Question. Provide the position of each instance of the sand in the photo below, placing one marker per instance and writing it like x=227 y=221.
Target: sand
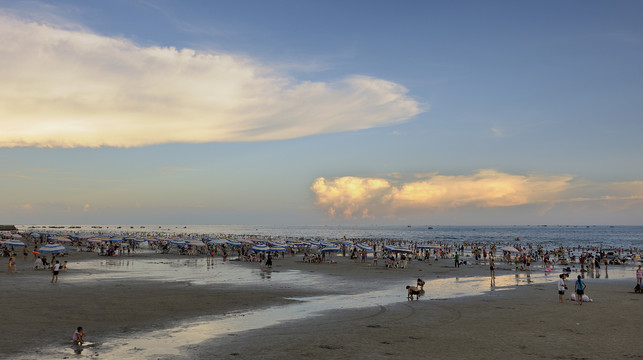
x=518 y=322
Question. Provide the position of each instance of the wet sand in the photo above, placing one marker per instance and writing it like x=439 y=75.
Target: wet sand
x=115 y=304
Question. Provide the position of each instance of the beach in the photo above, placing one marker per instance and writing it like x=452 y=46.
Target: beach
x=129 y=312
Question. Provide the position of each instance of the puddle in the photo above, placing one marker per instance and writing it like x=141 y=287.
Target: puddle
x=194 y=271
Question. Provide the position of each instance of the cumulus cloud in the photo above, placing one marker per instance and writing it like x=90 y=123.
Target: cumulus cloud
x=68 y=87
x=356 y=197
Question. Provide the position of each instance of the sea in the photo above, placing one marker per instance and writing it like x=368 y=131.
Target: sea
x=548 y=236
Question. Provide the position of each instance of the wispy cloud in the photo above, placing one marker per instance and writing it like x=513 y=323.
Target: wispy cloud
x=64 y=86
x=352 y=197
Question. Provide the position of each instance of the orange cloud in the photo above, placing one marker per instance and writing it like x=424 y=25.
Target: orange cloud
x=383 y=197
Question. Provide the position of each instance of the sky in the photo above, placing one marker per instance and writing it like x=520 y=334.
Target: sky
x=321 y=112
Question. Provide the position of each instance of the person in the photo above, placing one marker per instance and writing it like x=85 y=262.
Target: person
x=492 y=268
x=561 y=287
x=457 y=260
x=79 y=336
x=55 y=268
x=38 y=263
x=580 y=290
x=639 y=276
x=413 y=290
x=12 y=263
x=420 y=284
x=269 y=261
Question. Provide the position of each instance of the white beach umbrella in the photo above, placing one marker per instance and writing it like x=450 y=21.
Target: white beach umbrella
x=510 y=249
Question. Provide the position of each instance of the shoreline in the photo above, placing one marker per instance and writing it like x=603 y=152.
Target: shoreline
x=44 y=315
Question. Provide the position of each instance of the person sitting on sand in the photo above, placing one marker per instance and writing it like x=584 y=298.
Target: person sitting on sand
x=413 y=290
x=79 y=336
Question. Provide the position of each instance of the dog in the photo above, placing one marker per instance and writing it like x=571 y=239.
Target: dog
x=412 y=290
x=637 y=289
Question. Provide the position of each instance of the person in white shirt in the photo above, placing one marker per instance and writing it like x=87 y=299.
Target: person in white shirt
x=55 y=269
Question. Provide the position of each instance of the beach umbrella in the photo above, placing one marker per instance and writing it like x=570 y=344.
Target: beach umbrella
x=260 y=248
x=61 y=239
x=233 y=242
x=429 y=246
x=279 y=249
x=331 y=249
x=510 y=249
x=218 y=242
x=397 y=249
x=14 y=242
x=178 y=242
x=277 y=243
x=363 y=246
x=52 y=249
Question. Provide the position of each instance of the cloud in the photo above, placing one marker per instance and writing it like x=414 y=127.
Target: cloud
x=64 y=86
x=356 y=197
x=497 y=132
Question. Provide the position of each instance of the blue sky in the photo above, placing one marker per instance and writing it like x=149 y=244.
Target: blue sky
x=297 y=112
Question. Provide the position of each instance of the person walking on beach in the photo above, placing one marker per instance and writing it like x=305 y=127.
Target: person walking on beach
x=639 y=276
x=457 y=260
x=561 y=287
x=580 y=290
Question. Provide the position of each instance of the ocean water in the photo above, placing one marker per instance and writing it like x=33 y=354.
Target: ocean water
x=551 y=236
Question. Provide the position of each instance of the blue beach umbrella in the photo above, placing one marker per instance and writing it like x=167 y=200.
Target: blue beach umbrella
x=218 y=242
x=260 y=248
x=429 y=246
x=397 y=249
x=233 y=242
x=362 y=246
x=14 y=242
x=52 y=249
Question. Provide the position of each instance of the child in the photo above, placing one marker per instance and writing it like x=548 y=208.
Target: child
x=79 y=336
